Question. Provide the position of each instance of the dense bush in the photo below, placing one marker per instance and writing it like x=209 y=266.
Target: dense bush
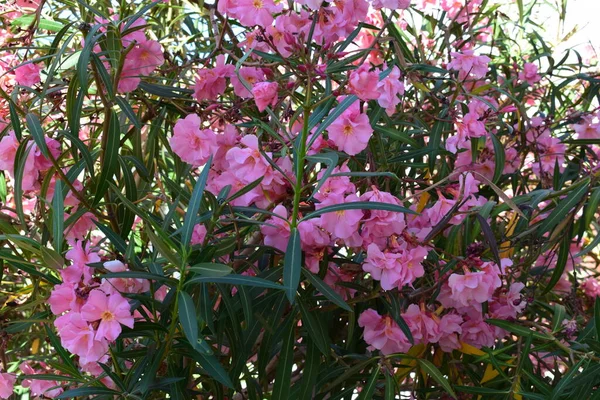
x=296 y=200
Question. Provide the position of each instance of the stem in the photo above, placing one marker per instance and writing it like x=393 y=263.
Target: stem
x=301 y=154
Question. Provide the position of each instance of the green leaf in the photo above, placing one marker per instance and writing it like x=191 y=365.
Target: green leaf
x=212 y=366
x=211 y=269
x=564 y=253
x=35 y=128
x=331 y=160
x=326 y=290
x=564 y=206
x=435 y=373
x=591 y=208
x=369 y=389
x=310 y=372
x=24 y=21
x=396 y=135
x=58 y=220
x=357 y=205
x=283 y=375
x=488 y=234
x=188 y=317
x=85 y=392
x=236 y=280
x=315 y=328
x=565 y=380
x=292 y=266
x=499 y=158
x=128 y=111
x=189 y=221
x=110 y=161
x=518 y=329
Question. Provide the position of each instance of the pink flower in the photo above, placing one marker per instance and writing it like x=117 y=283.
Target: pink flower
x=81 y=227
x=312 y=236
x=78 y=337
x=80 y=256
x=251 y=75
x=247 y=164
x=530 y=74
x=450 y=327
x=39 y=387
x=391 y=4
x=147 y=56
x=351 y=131
x=28 y=74
x=111 y=311
x=277 y=230
x=507 y=304
x=210 y=82
x=7 y=383
x=588 y=128
x=381 y=224
x=265 y=94
x=473 y=288
x=591 y=287
x=389 y=88
x=383 y=266
x=198 y=234
x=468 y=63
x=64 y=298
x=342 y=224
x=256 y=12
x=122 y=285
x=364 y=83
x=382 y=333
x=477 y=333
x=8 y=151
x=191 y=143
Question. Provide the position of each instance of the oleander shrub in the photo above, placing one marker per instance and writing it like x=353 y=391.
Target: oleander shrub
x=259 y=199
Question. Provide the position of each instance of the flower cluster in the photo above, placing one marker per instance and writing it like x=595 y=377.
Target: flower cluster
x=234 y=201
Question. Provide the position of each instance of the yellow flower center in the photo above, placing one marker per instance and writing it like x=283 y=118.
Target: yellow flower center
x=107 y=316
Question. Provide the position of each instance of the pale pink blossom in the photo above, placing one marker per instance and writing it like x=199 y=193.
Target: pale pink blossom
x=382 y=333
x=111 y=311
x=383 y=266
x=80 y=256
x=7 y=384
x=389 y=89
x=28 y=74
x=191 y=143
x=591 y=287
x=342 y=224
x=530 y=74
x=276 y=231
x=265 y=94
x=391 y=4
x=364 y=83
x=211 y=82
x=78 y=337
x=467 y=63
x=351 y=131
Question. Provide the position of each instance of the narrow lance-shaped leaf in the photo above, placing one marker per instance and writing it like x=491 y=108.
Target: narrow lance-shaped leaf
x=110 y=157
x=187 y=317
x=194 y=206
x=368 y=390
x=435 y=373
x=292 y=266
x=58 y=220
x=284 y=366
x=564 y=206
x=358 y=205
